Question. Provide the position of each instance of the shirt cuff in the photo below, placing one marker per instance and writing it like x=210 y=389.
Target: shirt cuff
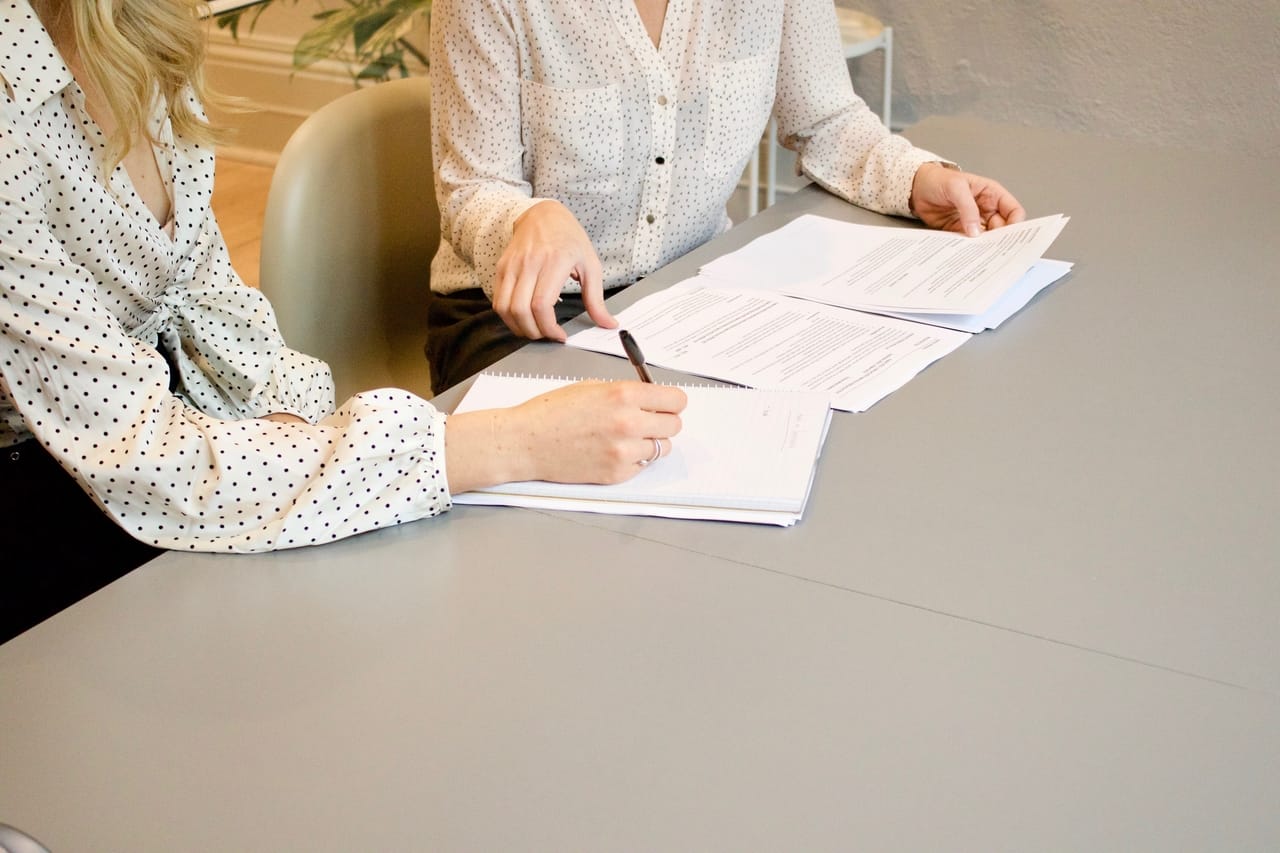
x=904 y=174
x=486 y=270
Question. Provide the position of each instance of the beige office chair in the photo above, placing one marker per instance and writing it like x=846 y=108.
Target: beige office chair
x=350 y=229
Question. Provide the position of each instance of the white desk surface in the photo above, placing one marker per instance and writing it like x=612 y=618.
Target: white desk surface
x=1032 y=605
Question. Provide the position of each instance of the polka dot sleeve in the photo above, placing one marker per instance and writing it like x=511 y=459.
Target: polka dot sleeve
x=644 y=143
x=842 y=145
x=475 y=92
x=91 y=288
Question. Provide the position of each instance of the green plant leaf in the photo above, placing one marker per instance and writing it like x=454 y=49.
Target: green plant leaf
x=365 y=29
x=326 y=38
x=231 y=20
x=373 y=33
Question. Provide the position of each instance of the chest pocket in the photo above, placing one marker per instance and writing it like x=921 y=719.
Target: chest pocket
x=572 y=138
x=740 y=98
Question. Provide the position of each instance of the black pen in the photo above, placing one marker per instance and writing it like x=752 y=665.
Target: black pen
x=634 y=355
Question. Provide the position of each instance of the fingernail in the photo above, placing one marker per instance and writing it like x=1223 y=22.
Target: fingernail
x=972 y=230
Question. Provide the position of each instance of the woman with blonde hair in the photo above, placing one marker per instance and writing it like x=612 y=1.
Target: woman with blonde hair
x=147 y=400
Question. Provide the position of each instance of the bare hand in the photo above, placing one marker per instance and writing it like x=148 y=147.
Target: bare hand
x=284 y=418
x=950 y=200
x=588 y=432
x=548 y=246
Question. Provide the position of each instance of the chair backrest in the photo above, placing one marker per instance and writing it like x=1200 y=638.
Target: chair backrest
x=350 y=229
x=14 y=840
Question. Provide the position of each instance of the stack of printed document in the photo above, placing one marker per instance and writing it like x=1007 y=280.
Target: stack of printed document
x=741 y=455
x=851 y=311
x=965 y=283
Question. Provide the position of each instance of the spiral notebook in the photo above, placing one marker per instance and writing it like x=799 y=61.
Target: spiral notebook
x=743 y=454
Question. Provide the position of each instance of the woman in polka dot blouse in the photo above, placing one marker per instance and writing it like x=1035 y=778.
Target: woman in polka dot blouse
x=146 y=398
x=580 y=146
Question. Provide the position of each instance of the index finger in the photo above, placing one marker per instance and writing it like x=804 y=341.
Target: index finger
x=960 y=193
x=1000 y=205
x=1010 y=209
x=660 y=398
x=593 y=293
x=546 y=294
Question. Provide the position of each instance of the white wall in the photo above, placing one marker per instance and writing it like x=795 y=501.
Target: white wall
x=1173 y=72
x=258 y=66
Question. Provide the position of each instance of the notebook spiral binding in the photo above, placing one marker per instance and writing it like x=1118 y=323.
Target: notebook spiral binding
x=551 y=377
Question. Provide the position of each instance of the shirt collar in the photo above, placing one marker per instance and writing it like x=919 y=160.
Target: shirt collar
x=29 y=62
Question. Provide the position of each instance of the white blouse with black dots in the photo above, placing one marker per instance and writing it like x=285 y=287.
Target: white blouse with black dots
x=536 y=99
x=91 y=287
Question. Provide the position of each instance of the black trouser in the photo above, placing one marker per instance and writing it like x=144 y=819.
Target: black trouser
x=58 y=546
x=465 y=335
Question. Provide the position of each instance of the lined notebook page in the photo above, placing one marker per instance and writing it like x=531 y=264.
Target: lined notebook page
x=742 y=455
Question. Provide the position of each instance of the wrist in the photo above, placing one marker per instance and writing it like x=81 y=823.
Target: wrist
x=285 y=418
x=478 y=452
x=922 y=171
x=541 y=206
x=511 y=451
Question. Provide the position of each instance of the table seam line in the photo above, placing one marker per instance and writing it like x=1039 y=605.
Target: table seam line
x=938 y=612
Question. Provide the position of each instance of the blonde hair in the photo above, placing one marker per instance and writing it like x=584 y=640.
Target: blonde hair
x=138 y=50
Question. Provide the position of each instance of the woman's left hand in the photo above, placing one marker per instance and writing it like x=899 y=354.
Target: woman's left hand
x=951 y=200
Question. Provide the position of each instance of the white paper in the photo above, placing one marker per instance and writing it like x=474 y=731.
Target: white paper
x=880 y=268
x=1042 y=274
x=741 y=455
x=603 y=507
x=765 y=340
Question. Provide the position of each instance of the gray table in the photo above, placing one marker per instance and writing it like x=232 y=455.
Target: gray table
x=1032 y=606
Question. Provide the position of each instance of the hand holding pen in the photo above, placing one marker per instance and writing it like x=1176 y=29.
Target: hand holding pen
x=636 y=357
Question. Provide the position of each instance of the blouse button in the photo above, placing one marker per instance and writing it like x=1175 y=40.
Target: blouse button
x=662 y=100
x=650 y=218
x=659 y=160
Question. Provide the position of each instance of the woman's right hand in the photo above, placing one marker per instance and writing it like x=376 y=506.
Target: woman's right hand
x=548 y=247
x=588 y=432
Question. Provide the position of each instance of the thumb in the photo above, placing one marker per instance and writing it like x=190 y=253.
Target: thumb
x=966 y=207
x=593 y=301
x=593 y=296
